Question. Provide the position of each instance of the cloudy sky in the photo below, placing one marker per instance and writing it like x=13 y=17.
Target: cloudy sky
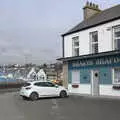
x=30 y=29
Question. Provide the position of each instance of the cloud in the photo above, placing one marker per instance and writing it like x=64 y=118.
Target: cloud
x=32 y=29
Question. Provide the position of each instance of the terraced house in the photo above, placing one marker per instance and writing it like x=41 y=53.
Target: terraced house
x=91 y=52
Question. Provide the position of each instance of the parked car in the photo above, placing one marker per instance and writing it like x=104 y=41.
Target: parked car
x=37 y=89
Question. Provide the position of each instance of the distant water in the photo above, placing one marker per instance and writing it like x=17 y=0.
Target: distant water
x=7 y=79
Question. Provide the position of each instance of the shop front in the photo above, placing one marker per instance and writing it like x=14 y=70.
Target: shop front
x=95 y=74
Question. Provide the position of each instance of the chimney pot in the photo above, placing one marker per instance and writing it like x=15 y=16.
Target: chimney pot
x=90 y=4
x=90 y=9
x=87 y=4
x=93 y=5
x=97 y=6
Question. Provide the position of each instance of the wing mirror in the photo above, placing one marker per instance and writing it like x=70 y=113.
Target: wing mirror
x=56 y=86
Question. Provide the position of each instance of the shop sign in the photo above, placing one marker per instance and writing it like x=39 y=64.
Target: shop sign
x=97 y=61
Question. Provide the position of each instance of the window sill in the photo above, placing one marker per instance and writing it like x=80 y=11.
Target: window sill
x=116 y=87
x=75 y=86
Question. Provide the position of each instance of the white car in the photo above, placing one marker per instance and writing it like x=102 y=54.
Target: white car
x=37 y=89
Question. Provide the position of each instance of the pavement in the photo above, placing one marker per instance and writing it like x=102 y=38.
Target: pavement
x=98 y=96
x=13 y=107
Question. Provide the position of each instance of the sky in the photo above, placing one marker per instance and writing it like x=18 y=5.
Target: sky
x=30 y=30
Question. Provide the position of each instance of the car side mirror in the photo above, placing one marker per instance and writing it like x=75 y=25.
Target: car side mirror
x=56 y=86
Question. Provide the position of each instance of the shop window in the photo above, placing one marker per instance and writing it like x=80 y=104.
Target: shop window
x=84 y=77
x=116 y=37
x=105 y=76
x=116 y=76
x=75 y=46
x=75 y=76
x=94 y=42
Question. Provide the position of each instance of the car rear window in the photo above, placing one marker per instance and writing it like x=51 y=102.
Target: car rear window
x=26 y=84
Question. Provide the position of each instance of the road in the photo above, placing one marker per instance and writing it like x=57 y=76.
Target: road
x=12 y=107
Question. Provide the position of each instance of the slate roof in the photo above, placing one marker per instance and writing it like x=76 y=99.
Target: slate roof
x=104 y=16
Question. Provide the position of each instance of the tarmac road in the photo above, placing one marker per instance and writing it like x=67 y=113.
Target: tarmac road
x=12 y=107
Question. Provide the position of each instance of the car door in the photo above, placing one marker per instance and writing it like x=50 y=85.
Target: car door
x=39 y=87
x=51 y=89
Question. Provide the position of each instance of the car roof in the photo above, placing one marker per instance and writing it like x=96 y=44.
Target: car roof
x=32 y=82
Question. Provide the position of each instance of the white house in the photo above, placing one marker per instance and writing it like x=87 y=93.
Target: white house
x=41 y=75
x=32 y=74
x=91 y=53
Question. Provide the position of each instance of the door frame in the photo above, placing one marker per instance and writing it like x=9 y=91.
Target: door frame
x=97 y=91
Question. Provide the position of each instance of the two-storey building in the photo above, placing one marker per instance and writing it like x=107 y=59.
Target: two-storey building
x=91 y=53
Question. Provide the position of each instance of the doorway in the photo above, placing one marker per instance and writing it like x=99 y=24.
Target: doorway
x=95 y=82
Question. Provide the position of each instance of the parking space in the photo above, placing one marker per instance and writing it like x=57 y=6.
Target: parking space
x=13 y=107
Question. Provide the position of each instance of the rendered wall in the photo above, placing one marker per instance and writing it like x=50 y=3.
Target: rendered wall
x=105 y=80
x=105 y=40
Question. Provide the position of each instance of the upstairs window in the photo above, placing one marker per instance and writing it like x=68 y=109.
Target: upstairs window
x=116 y=38
x=75 y=46
x=94 y=42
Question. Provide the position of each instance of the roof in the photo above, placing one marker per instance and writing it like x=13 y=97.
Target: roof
x=90 y=56
x=104 y=16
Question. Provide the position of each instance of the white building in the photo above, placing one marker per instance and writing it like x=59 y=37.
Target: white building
x=32 y=74
x=91 y=53
x=41 y=76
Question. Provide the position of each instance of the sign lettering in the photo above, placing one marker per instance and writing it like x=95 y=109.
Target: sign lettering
x=97 y=61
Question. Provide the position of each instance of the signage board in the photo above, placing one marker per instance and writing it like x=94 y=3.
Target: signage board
x=106 y=60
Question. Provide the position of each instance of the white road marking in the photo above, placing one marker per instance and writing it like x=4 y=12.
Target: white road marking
x=55 y=105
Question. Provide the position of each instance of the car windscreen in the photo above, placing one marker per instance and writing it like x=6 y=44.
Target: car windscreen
x=26 y=84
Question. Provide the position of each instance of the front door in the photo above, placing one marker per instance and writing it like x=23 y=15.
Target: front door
x=95 y=83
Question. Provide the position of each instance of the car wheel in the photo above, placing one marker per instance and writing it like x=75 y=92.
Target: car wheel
x=24 y=98
x=34 y=96
x=63 y=94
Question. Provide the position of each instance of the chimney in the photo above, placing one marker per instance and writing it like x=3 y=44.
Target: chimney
x=90 y=10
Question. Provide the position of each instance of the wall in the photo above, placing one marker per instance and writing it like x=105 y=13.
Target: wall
x=65 y=75
x=105 y=80
x=107 y=90
x=86 y=89
x=90 y=11
x=67 y=46
x=104 y=39
x=83 y=89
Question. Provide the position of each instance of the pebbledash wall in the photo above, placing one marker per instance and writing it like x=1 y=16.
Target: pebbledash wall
x=105 y=65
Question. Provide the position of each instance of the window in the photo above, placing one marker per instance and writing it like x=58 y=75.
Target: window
x=116 y=79
x=50 y=84
x=40 y=84
x=75 y=76
x=75 y=46
x=94 y=42
x=116 y=37
x=44 y=84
